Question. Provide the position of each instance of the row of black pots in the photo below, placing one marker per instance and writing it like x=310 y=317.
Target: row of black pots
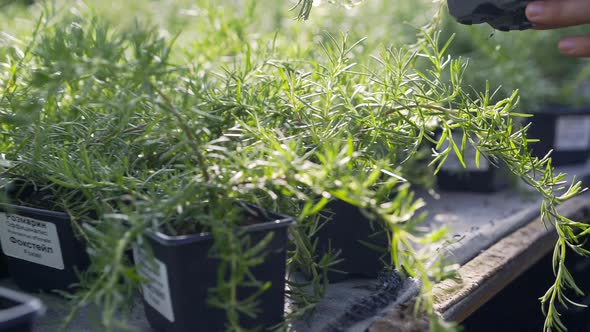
x=563 y=130
x=182 y=270
x=42 y=253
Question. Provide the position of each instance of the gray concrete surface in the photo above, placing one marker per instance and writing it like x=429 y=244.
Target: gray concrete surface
x=475 y=221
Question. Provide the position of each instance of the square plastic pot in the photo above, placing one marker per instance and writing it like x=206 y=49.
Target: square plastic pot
x=564 y=130
x=41 y=251
x=18 y=311
x=182 y=274
x=356 y=239
x=3 y=267
x=453 y=176
x=487 y=181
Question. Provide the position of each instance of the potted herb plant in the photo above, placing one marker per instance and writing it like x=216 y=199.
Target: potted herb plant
x=206 y=258
x=116 y=144
x=297 y=133
x=72 y=155
x=185 y=268
x=516 y=151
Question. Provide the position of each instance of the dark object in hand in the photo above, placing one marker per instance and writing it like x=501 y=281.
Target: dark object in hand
x=503 y=15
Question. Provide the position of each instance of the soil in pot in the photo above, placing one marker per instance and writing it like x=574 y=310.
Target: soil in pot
x=564 y=130
x=356 y=239
x=18 y=311
x=183 y=272
x=41 y=249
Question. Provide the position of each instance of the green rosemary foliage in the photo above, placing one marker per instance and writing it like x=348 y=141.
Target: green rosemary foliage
x=305 y=6
x=125 y=140
x=497 y=138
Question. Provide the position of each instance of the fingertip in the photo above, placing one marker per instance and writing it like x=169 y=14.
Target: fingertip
x=535 y=11
x=578 y=47
x=567 y=47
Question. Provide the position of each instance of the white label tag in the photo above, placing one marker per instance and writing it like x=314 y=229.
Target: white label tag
x=31 y=240
x=572 y=133
x=156 y=291
x=453 y=164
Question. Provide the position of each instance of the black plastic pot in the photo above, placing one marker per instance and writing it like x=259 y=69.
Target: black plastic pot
x=3 y=267
x=564 y=130
x=490 y=180
x=40 y=248
x=18 y=311
x=176 y=299
x=485 y=178
x=350 y=233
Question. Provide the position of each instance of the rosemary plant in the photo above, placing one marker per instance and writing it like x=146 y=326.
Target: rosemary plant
x=502 y=142
x=126 y=136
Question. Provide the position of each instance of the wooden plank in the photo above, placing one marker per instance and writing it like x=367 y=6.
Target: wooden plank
x=488 y=273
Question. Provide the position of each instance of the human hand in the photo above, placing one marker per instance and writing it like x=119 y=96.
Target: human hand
x=554 y=14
